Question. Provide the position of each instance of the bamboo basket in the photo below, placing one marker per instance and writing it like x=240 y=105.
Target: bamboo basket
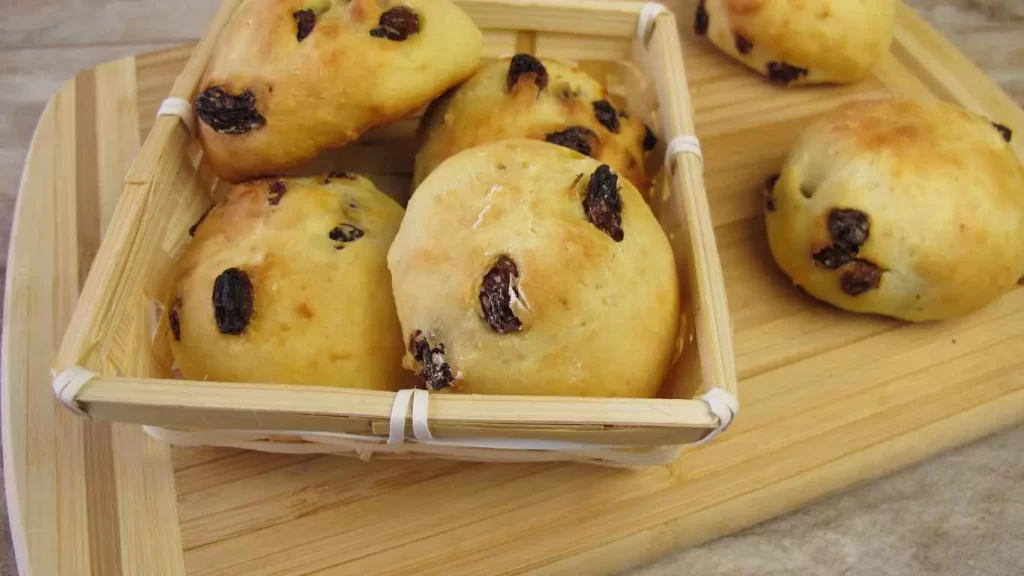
x=115 y=364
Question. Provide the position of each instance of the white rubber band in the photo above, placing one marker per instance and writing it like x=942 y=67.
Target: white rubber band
x=420 y=428
x=396 y=429
x=67 y=385
x=182 y=109
x=679 y=145
x=725 y=406
x=645 y=23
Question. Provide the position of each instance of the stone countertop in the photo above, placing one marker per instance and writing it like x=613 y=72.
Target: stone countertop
x=959 y=513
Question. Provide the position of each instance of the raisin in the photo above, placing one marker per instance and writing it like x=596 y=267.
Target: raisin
x=433 y=365
x=526 y=64
x=605 y=114
x=277 y=190
x=650 y=140
x=344 y=233
x=1004 y=130
x=192 y=229
x=743 y=44
x=397 y=24
x=173 y=320
x=304 y=21
x=232 y=301
x=783 y=74
x=227 y=113
x=496 y=292
x=849 y=230
x=848 y=227
x=603 y=205
x=338 y=174
x=769 y=189
x=700 y=24
x=861 y=277
x=1021 y=281
x=575 y=138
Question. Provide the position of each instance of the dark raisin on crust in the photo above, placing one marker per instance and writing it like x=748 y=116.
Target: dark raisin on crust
x=397 y=24
x=526 y=64
x=849 y=230
x=783 y=74
x=228 y=113
x=700 y=23
x=860 y=277
x=602 y=204
x=304 y=21
x=192 y=229
x=650 y=140
x=769 y=189
x=576 y=138
x=338 y=174
x=277 y=190
x=743 y=44
x=345 y=233
x=605 y=114
x=433 y=365
x=1021 y=281
x=232 y=301
x=496 y=292
x=174 y=321
x=1004 y=130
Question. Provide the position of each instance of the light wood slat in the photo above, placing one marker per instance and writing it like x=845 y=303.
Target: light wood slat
x=142 y=471
x=43 y=445
x=588 y=17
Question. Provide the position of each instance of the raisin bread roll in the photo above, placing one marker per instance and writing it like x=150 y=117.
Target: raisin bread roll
x=523 y=267
x=523 y=97
x=910 y=209
x=286 y=282
x=806 y=42
x=292 y=78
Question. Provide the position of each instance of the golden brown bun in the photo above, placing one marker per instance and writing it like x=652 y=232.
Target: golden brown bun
x=569 y=310
x=546 y=98
x=805 y=42
x=347 y=74
x=304 y=291
x=909 y=209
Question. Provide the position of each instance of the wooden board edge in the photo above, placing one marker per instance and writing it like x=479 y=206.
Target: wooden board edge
x=950 y=74
x=795 y=492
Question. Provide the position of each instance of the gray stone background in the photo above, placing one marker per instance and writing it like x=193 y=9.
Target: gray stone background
x=959 y=514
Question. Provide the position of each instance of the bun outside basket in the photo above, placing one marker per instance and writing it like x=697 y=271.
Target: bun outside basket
x=114 y=362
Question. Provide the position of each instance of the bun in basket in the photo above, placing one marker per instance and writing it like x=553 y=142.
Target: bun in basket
x=805 y=42
x=910 y=209
x=286 y=282
x=292 y=78
x=523 y=267
x=540 y=99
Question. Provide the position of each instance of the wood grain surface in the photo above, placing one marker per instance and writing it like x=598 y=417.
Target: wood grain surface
x=252 y=514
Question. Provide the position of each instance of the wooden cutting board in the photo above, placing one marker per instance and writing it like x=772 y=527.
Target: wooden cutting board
x=828 y=398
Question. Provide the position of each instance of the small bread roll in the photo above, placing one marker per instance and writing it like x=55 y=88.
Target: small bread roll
x=290 y=79
x=286 y=282
x=805 y=42
x=523 y=267
x=540 y=99
x=910 y=209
